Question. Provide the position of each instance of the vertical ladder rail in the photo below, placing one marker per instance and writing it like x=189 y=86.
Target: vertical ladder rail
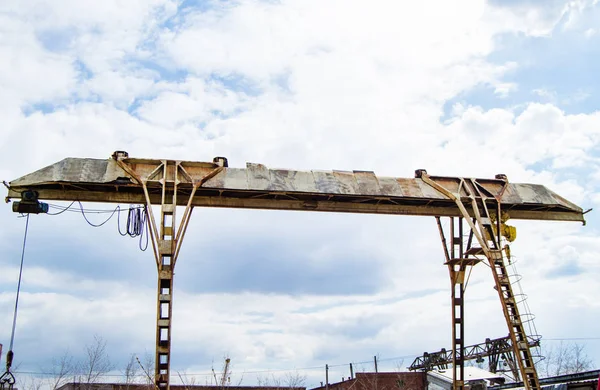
x=458 y=262
x=166 y=245
x=457 y=277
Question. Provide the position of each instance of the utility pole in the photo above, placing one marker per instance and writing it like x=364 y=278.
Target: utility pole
x=375 y=360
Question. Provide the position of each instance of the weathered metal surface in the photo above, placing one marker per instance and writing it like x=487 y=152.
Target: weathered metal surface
x=258 y=187
x=485 y=232
x=491 y=347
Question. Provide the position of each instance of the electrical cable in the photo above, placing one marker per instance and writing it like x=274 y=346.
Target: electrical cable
x=14 y=325
x=573 y=339
x=265 y=371
x=70 y=208
x=136 y=225
x=8 y=378
x=63 y=208
x=101 y=224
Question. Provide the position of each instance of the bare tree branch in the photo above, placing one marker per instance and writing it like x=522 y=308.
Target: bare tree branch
x=564 y=359
x=130 y=371
x=62 y=370
x=96 y=362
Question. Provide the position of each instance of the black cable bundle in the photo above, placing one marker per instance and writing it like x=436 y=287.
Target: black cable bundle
x=136 y=225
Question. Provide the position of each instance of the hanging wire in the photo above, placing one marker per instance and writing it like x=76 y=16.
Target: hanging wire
x=7 y=380
x=102 y=223
x=63 y=209
x=135 y=226
x=14 y=325
x=70 y=208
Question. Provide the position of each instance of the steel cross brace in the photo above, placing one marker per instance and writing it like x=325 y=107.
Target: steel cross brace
x=487 y=233
x=493 y=349
x=166 y=239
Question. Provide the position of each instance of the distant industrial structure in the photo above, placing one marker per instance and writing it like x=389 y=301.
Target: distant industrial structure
x=499 y=353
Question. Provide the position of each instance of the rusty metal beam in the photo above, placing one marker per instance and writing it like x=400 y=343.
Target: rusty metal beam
x=201 y=200
x=119 y=180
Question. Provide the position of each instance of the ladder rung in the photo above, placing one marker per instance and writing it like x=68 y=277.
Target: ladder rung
x=165 y=247
x=523 y=346
x=162 y=349
x=164 y=322
x=164 y=298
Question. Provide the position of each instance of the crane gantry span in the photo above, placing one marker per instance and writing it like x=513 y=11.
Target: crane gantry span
x=476 y=209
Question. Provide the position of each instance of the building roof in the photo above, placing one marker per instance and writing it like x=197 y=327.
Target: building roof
x=471 y=374
x=381 y=381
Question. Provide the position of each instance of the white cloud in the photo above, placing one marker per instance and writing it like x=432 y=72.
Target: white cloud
x=504 y=89
x=547 y=95
x=301 y=85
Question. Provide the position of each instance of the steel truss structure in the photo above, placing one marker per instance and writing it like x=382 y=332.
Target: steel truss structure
x=475 y=208
x=493 y=349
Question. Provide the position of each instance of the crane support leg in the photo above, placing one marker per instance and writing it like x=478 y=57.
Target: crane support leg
x=483 y=214
x=458 y=262
x=166 y=239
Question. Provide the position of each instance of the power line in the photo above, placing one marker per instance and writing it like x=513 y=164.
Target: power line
x=572 y=339
x=309 y=368
x=265 y=371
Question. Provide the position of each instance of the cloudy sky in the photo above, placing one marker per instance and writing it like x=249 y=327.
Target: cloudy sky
x=465 y=88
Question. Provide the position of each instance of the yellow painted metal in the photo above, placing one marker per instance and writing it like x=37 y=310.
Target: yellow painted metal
x=172 y=183
x=488 y=231
x=118 y=180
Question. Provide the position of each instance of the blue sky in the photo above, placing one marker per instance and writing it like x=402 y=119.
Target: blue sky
x=469 y=89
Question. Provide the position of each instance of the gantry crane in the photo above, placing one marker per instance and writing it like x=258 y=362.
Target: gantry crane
x=475 y=208
x=493 y=349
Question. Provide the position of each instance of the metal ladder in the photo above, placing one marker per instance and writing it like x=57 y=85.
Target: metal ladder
x=486 y=228
x=166 y=249
x=490 y=227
